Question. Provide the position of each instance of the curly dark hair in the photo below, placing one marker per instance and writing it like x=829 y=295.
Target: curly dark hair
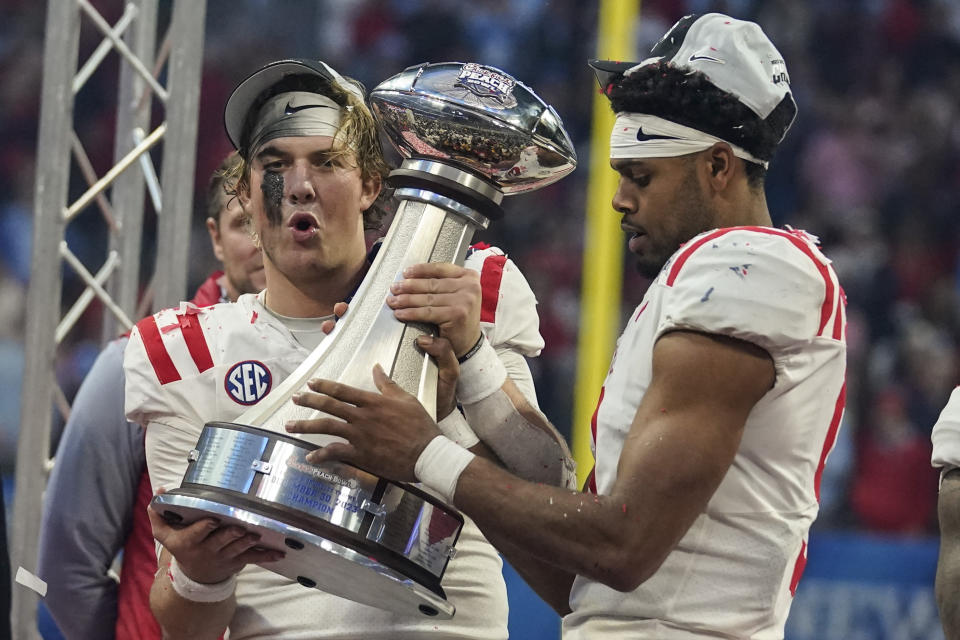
x=690 y=99
x=358 y=135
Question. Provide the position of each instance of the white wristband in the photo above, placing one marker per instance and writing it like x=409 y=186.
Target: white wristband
x=190 y=589
x=455 y=427
x=440 y=464
x=481 y=375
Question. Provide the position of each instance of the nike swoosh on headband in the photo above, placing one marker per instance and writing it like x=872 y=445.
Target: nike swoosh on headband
x=290 y=109
x=643 y=137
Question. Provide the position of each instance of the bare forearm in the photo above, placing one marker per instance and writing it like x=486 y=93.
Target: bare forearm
x=550 y=582
x=183 y=619
x=573 y=532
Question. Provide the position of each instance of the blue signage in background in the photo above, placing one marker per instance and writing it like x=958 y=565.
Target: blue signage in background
x=860 y=587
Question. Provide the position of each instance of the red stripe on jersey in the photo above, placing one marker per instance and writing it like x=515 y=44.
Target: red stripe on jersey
x=196 y=343
x=490 y=276
x=637 y=317
x=798 y=568
x=838 y=323
x=841 y=320
x=687 y=251
x=592 y=478
x=593 y=420
x=156 y=352
x=480 y=246
x=831 y=437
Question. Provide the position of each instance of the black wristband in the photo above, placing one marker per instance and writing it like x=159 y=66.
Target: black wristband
x=472 y=350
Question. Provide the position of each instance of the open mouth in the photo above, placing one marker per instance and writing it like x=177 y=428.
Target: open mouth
x=303 y=225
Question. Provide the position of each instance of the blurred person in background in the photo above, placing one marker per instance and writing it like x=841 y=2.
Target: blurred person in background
x=893 y=486
x=96 y=500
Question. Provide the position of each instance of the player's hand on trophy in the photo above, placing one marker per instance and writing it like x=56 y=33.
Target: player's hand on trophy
x=385 y=431
x=440 y=349
x=208 y=552
x=448 y=372
x=339 y=309
x=443 y=294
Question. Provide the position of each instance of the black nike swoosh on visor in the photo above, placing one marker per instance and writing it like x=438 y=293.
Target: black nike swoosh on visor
x=290 y=109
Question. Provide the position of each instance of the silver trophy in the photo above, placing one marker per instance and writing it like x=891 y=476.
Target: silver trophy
x=469 y=134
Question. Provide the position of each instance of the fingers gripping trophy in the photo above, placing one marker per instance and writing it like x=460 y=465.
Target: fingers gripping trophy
x=468 y=134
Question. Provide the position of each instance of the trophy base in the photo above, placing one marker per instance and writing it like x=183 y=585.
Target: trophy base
x=313 y=560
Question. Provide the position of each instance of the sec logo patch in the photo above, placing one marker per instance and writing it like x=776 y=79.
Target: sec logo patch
x=248 y=382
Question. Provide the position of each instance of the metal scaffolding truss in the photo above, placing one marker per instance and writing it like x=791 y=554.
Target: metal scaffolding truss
x=115 y=283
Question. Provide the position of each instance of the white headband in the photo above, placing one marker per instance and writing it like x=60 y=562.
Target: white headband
x=637 y=135
x=294 y=114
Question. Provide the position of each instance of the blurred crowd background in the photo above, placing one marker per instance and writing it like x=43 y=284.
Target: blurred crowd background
x=871 y=166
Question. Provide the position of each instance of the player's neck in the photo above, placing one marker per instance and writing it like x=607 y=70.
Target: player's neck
x=749 y=210
x=311 y=299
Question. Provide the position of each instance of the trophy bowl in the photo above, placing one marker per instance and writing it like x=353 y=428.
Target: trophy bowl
x=478 y=118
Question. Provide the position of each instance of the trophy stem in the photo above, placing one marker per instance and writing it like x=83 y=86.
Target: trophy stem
x=428 y=227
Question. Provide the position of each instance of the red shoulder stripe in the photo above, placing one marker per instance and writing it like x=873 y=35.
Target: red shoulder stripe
x=688 y=250
x=490 y=276
x=156 y=351
x=196 y=343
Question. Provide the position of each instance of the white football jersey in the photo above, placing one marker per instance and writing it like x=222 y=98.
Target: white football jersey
x=946 y=435
x=189 y=366
x=734 y=572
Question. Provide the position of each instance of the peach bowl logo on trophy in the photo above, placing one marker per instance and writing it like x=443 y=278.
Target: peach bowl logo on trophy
x=478 y=118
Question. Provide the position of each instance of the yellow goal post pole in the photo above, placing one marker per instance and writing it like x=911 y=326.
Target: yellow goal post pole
x=602 y=276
